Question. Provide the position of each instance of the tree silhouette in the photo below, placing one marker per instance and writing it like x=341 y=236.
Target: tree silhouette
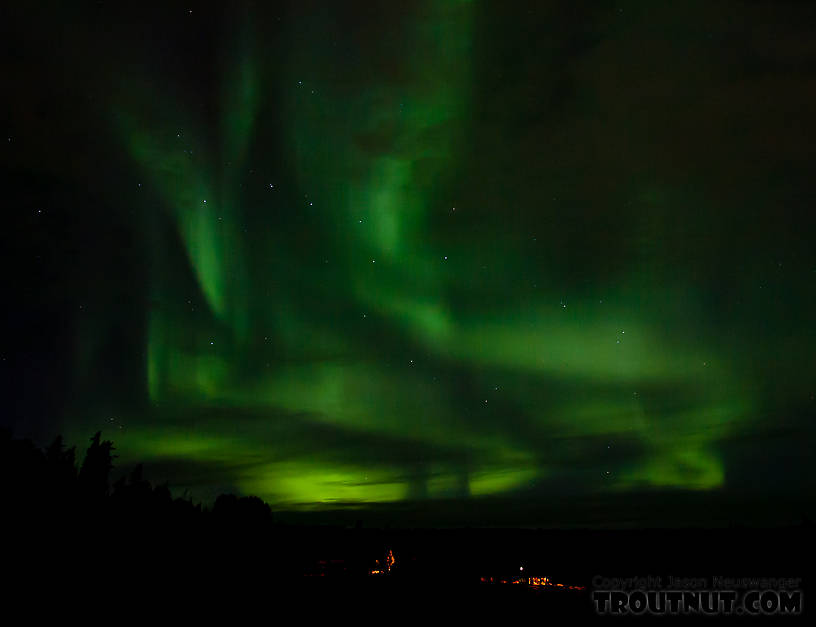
x=62 y=461
x=96 y=467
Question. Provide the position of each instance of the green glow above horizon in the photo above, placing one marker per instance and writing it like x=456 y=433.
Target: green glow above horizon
x=356 y=334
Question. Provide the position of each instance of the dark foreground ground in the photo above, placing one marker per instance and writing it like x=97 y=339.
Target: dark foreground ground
x=77 y=547
x=322 y=571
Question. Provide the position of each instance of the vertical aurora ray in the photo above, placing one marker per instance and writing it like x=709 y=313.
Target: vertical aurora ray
x=199 y=184
x=393 y=143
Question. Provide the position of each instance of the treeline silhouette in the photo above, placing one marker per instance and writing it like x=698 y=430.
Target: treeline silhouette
x=71 y=529
x=43 y=483
x=75 y=533
x=68 y=529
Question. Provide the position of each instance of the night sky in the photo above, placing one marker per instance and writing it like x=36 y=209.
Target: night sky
x=550 y=259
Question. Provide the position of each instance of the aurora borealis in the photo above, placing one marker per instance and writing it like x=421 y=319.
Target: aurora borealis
x=362 y=253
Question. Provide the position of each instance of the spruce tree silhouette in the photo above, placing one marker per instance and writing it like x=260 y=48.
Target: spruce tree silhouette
x=58 y=489
x=61 y=460
x=96 y=468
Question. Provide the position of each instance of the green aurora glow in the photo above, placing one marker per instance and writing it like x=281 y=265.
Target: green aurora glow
x=388 y=266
